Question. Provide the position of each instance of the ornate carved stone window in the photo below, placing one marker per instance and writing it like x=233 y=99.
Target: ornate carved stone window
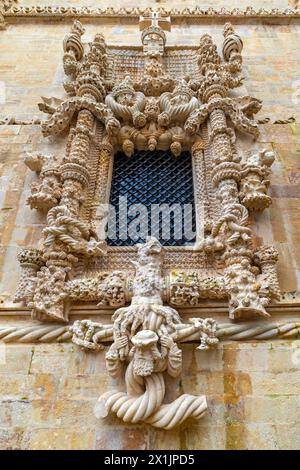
x=152 y=193
x=154 y=113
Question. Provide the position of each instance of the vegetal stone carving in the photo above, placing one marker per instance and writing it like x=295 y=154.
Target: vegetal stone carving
x=46 y=192
x=30 y=261
x=254 y=185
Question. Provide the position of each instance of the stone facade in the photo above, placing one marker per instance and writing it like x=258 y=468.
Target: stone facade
x=49 y=391
x=251 y=380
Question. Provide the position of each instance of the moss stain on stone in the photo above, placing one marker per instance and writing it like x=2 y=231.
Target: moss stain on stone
x=237 y=384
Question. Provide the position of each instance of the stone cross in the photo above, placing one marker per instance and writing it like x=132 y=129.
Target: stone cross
x=155 y=19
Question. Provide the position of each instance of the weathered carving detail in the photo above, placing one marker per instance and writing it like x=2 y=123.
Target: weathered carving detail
x=154 y=116
x=87 y=334
x=30 y=261
x=145 y=335
x=50 y=294
x=254 y=185
x=188 y=289
x=266 y=258
x=66 y=235
x=231 y=230
x=108 y=289
x=135 y=12
x=182 y=288
x=46 y=192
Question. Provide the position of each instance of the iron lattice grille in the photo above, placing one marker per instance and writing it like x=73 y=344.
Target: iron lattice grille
x=152 y=179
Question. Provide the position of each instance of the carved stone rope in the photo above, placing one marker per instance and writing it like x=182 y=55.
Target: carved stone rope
x=155 y=112
x=225 y=332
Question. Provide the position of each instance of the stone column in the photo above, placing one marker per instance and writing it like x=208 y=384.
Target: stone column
x=66 y=234
x=231 y=225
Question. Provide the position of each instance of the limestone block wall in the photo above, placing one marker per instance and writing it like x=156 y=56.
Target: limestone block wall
x=48 y=391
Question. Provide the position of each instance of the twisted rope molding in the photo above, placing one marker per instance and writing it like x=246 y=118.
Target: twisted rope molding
x=148 y=406
x=225 y=332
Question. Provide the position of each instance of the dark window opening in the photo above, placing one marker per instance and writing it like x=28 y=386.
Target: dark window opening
x=152 y=193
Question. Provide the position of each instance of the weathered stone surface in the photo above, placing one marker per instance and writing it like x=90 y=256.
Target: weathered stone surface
x=48 y=392
x=248 y=407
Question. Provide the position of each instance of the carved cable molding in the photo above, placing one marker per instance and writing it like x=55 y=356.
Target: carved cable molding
x=155 y=112
x=87 y=329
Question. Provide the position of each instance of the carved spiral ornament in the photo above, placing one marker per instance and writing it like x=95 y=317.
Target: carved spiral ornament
x=154 y=109
x=147 y=406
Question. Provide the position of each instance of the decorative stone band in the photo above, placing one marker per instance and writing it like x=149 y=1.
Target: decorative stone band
x=15 y=121
x=194 y=13
x=38 y=333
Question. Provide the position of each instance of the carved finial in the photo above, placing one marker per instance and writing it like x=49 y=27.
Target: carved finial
x=228 y=29
x=208 y=53
x=153 y=36
x=126 y=86
x=72 y=42
x=183 y=88
x=233 y=44
x=77 y=28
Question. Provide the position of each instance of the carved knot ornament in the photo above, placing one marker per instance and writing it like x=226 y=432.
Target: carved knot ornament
x=145 y=337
